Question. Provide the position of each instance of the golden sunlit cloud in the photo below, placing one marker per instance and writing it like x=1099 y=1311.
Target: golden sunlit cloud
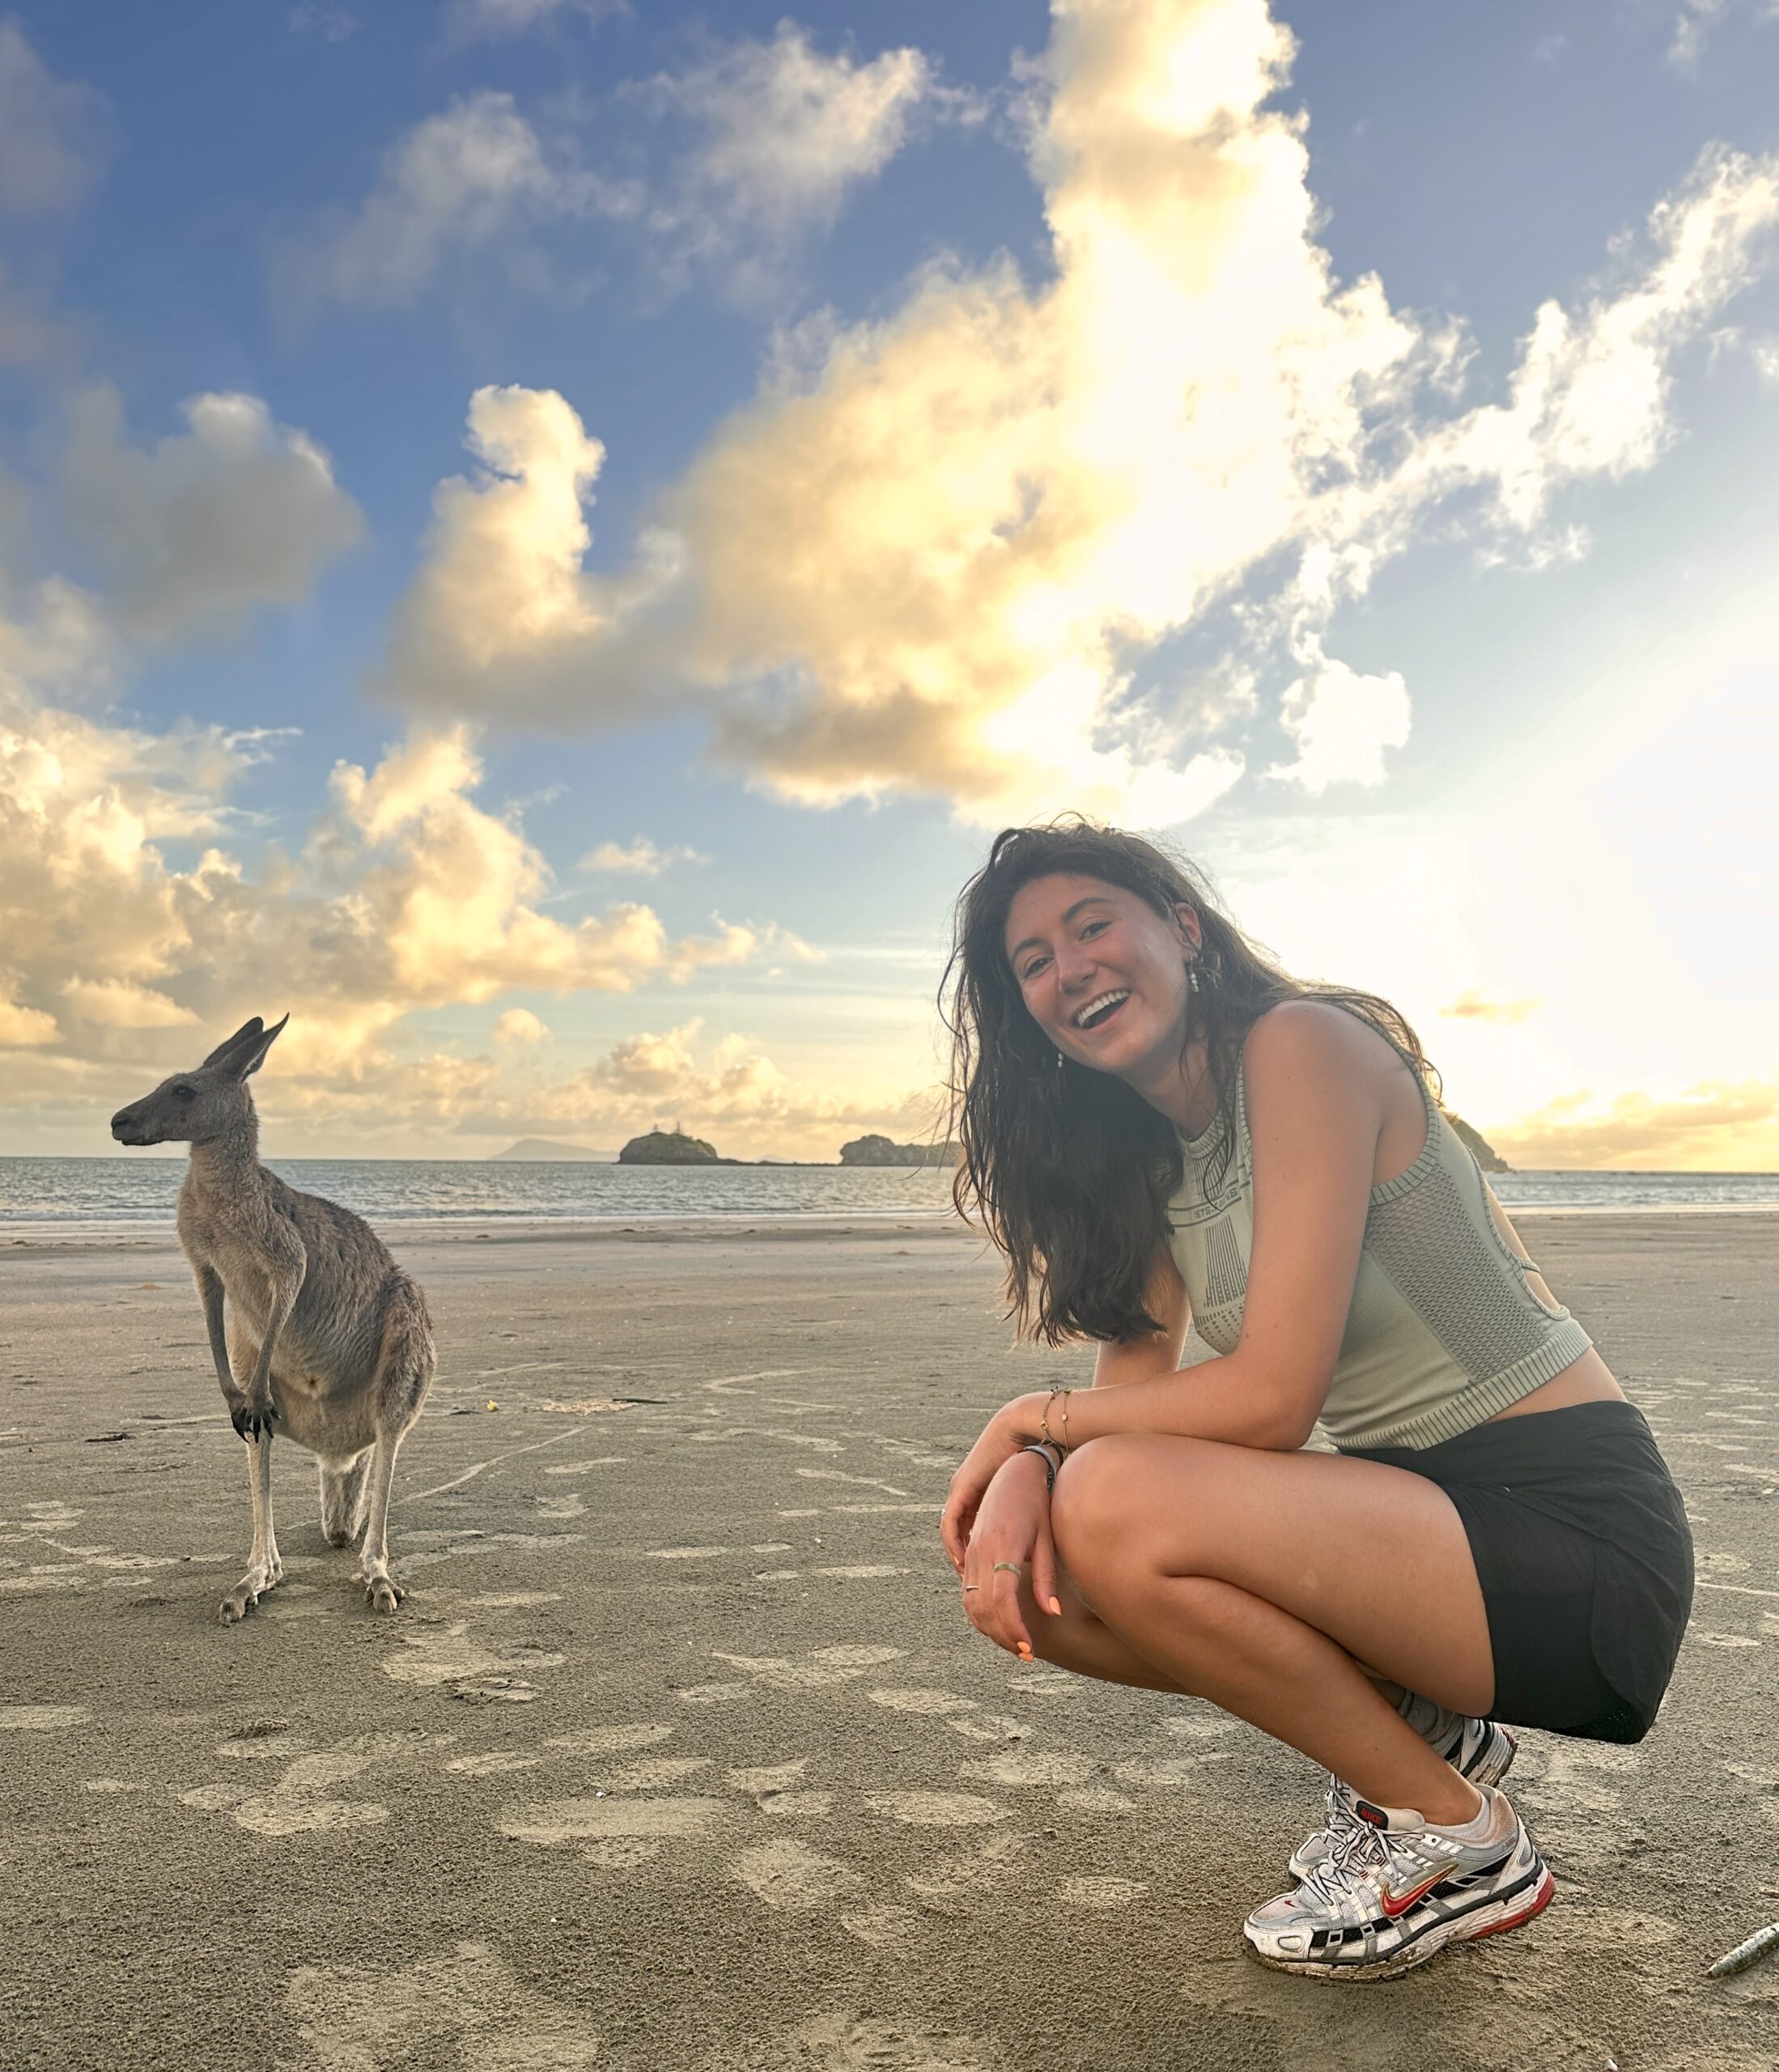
x=1474 y=1006
x=1717 y=1126
x=934 y=552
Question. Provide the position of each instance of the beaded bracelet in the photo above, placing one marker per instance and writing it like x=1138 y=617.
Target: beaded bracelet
x=1043 y=1452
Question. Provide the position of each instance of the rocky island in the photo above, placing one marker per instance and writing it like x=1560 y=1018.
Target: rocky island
x=671 y=1148
x=882 y=1151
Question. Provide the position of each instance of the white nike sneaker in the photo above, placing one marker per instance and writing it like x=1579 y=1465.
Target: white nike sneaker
x=1395 y=1891
x=1479 y=1750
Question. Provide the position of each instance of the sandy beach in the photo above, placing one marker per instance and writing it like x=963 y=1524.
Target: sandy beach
x=680 y=1755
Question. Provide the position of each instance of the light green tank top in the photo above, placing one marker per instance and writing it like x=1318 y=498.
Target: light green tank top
x=1444 y=1331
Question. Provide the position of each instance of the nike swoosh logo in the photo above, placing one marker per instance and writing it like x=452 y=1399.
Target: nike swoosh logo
x=1396 y=1903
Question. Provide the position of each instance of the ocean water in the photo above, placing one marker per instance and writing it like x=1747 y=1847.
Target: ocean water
x=47 y=1195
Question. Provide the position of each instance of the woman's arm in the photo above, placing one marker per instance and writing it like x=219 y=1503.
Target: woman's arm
x=1156 y=1352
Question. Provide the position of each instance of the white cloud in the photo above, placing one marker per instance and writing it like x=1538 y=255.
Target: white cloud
x=474 y=179
x=1717 y=1125
x=475 y=21
x=1342 y=723
x=408 y=894
x=54 y=133
x=1473 y=1005
x=641 y=858
x=332 y=24
x=778 y=133
x=520 y=1026
x=1697 y=19
x=234 y=512
x=933 y=552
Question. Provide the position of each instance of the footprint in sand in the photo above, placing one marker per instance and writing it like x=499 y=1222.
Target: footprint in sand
x=821 y=1669
x=43 y=1719
x=474 y=1671
x=863 y=2043
x=464 y=2010
x=298 y=1802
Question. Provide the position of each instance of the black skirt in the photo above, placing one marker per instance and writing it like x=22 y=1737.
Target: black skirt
x=1584 y=1558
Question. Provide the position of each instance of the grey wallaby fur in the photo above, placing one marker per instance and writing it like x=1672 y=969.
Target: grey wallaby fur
x=302 y=1300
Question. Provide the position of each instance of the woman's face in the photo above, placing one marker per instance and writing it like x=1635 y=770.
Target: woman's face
x=1102 y=973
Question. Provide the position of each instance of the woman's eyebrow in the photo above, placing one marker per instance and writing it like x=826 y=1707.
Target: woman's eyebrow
x=1036 y=942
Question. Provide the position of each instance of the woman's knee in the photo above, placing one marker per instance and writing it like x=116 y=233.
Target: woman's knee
x=1096 y=1509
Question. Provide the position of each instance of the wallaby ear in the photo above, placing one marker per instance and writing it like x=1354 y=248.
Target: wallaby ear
x=254 y=1055
x=248 y=1030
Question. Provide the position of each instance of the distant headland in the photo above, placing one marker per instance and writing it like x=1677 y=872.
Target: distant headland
x=881 y=1151
x=542 y=1149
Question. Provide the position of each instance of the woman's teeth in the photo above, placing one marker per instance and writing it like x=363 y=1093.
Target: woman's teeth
x=1099 y=1010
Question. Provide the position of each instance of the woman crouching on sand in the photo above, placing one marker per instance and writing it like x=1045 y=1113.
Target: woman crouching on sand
x=1159 y=1125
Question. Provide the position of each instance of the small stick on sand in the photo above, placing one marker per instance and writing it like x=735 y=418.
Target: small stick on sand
x=1747 y=1953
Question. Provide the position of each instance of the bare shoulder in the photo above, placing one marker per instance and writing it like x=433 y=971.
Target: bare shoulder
x=1314 y=1038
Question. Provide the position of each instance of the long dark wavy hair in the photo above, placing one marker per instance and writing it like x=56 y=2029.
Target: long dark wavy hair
x=1069 y=1170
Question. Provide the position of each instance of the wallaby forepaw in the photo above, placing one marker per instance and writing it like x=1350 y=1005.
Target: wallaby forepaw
x=383 y=1593
x=237 y=1604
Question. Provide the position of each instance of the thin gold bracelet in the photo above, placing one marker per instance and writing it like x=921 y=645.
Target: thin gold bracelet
x=1043 y=1419
x=1064 y=1442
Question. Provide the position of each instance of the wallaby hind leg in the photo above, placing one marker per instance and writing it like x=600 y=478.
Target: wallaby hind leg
x=264 y=1568
x=344 y=1490
x=404 y=1375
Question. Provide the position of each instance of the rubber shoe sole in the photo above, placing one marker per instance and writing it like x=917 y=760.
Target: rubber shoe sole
x=1497 y=1760
x=1523 y=1902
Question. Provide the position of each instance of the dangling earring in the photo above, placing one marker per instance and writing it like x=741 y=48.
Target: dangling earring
x=1059 y=1060
x=1192 y=976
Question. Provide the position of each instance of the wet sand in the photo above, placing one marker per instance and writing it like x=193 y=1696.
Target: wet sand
x=680 y=1755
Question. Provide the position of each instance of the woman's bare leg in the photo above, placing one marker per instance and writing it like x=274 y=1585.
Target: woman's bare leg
x=1263 y=1581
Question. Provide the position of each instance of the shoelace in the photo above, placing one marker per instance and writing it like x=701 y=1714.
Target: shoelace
x=1341 y=1815
x=1359 y=1848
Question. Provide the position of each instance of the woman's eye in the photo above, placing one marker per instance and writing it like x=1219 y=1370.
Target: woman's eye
x=1033 y=969
x=1093 y=928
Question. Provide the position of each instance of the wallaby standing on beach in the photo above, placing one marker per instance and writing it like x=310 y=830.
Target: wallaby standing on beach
x=332 y=1336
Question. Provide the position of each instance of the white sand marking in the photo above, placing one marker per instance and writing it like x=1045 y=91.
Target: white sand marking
x=775 y=1776
x=824 y=1667
x=296 y=1805
x=919 y=1700
x=1101 y=1893
x=853 y=2043
x=1205 y=1726
x=624 y=1852
x=1047 y=1683
x=771 y=1547
x=587 y=1467
x=874 y=1510
x=993 y=1726
x=956 y=1883
x=794 y=1878
x=858 y=1481
x=495 y=1763
x=465 y=2009
x=710 y=1694
x=1719 y=1564
x=1095 y=1799
x=1161 y=1771
x=1710 y=1640
x=450 y=1656
x=43 y=1719
x=814 y=1513
x=105 y=1785
x=797 y=1804
x=571 y=1505
x=725 y=1384
x=687 y=1553
x=935 y=1809
x=518 y=1600
x=776 y=1575
x=610 y=1740
x=481 y=1467
x=1738 y=1590
x=1021 y=1765
x=883 y=1927
x=253 y=1746
x=592 y=1819
x=865 y=1572
x=41 y=1583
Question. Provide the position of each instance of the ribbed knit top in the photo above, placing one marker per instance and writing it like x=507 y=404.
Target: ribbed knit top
x=1444 y=1331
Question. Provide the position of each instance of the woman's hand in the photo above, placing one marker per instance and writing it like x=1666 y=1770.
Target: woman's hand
x=1003 y=1435
x=1010 y=1540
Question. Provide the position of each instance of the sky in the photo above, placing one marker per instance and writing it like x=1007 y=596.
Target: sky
x=544 y=538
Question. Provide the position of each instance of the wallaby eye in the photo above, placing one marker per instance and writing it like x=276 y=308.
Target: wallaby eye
x=185 y=1092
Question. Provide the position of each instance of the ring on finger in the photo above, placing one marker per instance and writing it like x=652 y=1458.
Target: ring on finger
x=969 y=1587
x=1012 y=1568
